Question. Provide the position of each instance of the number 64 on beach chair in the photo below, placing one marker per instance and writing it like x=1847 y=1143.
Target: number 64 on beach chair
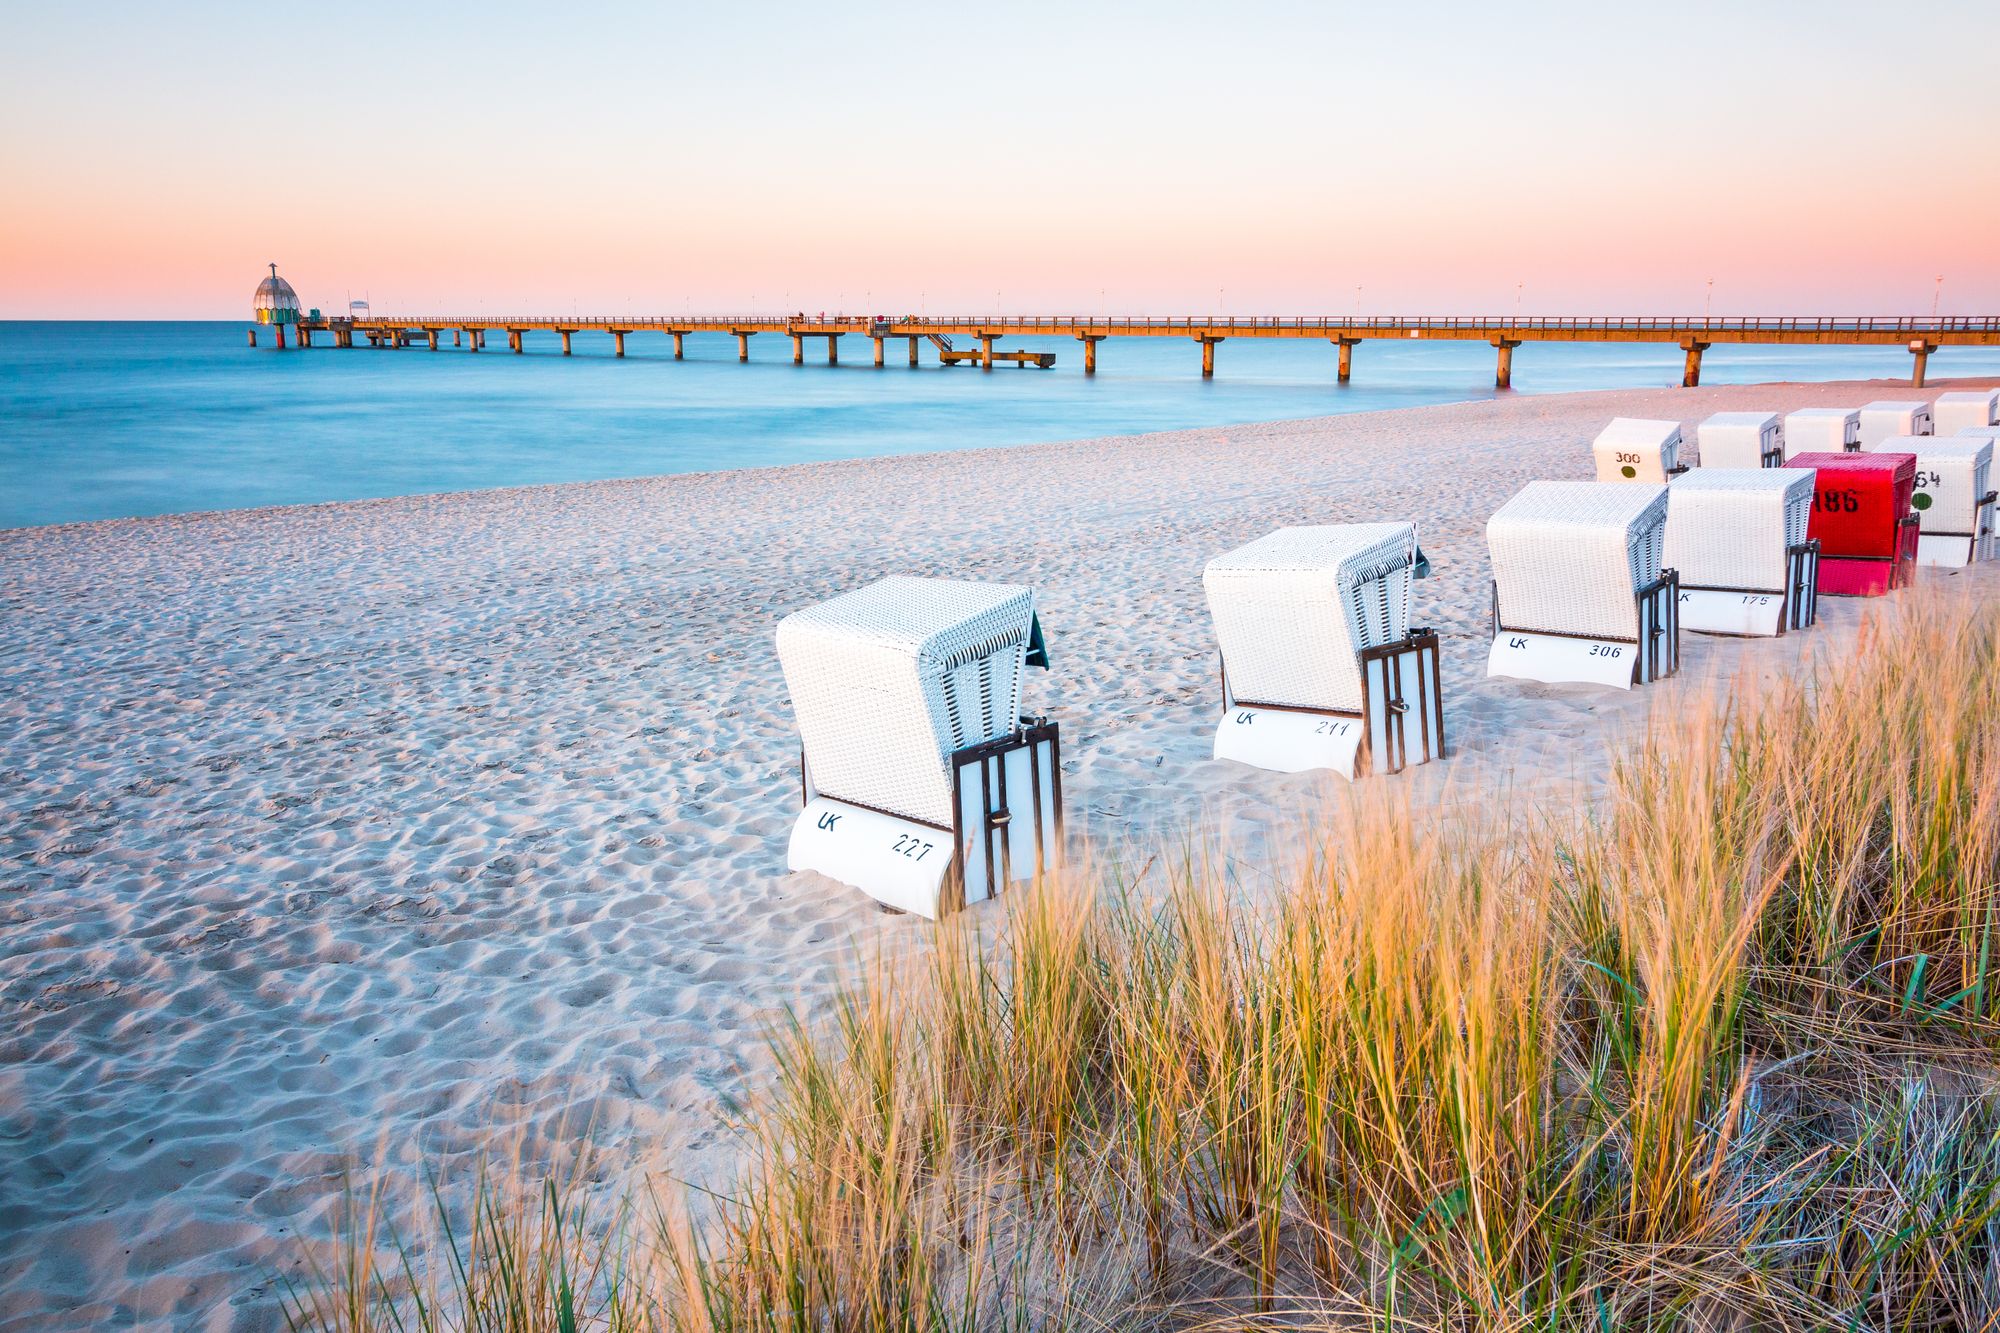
x=1579 y=592
x=924 y=786
x=1320 y=668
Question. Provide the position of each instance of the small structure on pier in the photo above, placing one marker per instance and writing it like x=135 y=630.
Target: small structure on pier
x=275 y=304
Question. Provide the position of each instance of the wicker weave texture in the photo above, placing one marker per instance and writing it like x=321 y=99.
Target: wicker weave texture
x=1293 y=608
x=1739 y=439
x=1952 y=473
x=1821 y=430
x=1952 y=412
x=1637 y=449
x=1887 y=417
x=888 y=680
x=1733 y=527
x=1860 y=501
x=1568 y=556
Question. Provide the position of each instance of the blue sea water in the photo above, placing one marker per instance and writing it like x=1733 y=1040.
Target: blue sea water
x=114 y=420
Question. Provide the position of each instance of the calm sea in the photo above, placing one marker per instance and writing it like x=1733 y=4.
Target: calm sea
x=118 y=420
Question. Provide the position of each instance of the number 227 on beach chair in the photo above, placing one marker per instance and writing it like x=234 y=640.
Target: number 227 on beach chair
x=1320 y=668
x=1579 y=592
x=924 y=786
x=1862 y=519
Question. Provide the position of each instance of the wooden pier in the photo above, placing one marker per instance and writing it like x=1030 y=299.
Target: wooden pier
x=1693 y=335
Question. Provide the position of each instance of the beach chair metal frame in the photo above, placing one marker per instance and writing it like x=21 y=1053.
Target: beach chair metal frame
x=1796 y=605
x=932 y=870
x=1556 y=656
x=1399 y=679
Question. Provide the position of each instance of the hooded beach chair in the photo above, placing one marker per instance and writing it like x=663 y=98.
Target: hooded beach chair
x=1894 y=416
x=924 y=786
x=1320 y=668
x=1862 y=519
x=1737 y=539
x=1828 y=430
x=1741 y=439
x=1953 y=501
x=1638 y=449
x=1579 y=591
x=1953 y=412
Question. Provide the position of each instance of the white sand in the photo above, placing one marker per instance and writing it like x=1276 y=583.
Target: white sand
x=393 y=826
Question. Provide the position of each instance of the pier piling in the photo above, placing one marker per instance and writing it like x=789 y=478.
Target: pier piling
x=833 y=349
x=565 y=337
x=1691 y=371
x=1346 y=346
x=618 y=341
x=432 y=334
x=743 y=344
x=1920 y=354
x=798 y=350
x=1503 y=371
x=1090 y=341
x=677 y=336
x=877 y=340
x=913 y=352
x=986 y=351
x=1207 y=355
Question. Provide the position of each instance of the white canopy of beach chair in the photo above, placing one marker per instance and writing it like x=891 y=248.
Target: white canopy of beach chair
x=1740 y=439
x=1955 y=511
x=1637 y=449
x=1292 y=609
x=1830 y=430
x=1569 y=556
x=1954 y=411
x=1737 y=539
x=889 y=680
x=1894 y=416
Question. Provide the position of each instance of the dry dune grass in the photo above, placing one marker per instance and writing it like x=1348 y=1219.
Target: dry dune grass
x=1717 y=1053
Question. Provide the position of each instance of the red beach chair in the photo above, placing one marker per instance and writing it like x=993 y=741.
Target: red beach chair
x=1862 y=520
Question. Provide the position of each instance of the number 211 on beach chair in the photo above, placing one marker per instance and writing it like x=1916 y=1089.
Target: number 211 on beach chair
x=924 y=786
x=1320 y=668
x=1579 y=592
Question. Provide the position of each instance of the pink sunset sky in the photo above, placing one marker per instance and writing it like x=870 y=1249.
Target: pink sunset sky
x=1244 y=158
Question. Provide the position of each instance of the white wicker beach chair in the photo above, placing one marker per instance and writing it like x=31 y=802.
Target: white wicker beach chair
x=907 y=693
x=1830 y=430
x=1579 y=593
x=1736 y=538
x=1741 y=439
x=1953 y=412
x=1320 y=668
x=1638 y=449
x=1954 y=499
x=1894 y=416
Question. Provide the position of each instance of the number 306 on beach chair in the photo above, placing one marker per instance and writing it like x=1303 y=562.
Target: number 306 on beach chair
x=1320 y=668
x=1737 y=539
x=924 y=786
x=1579 y=593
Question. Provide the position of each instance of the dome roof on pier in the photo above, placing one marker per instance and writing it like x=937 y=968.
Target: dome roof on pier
x=274 y=293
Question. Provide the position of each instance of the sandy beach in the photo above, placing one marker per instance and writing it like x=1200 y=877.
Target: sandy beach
x=389 y=830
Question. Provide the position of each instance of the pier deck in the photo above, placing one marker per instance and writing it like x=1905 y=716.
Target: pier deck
x=1921 y=336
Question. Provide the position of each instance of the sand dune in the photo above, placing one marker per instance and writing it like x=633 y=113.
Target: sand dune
x=394 y=827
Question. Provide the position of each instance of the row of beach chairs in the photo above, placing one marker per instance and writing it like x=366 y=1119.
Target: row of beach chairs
x=925 y=786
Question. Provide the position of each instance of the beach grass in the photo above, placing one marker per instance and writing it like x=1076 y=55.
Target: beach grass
x=1715 y=1051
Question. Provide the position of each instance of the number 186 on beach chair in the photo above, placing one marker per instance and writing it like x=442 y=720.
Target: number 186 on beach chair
x=924 y=786
x=1320 y=668
x=1579 y=591
x=1863 y=520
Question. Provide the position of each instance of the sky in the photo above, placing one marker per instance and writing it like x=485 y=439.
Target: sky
x=1227 y=157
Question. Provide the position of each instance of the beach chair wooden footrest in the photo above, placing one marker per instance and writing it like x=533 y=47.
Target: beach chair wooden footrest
x=1400 y=723
x=1758 y=612
x=1560 y=659
x=1008 y=826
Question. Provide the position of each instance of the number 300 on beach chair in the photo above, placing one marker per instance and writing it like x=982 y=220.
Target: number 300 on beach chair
x=924 y=786
x=1579 y=593
x=1636 y=449
x=1320 y=668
